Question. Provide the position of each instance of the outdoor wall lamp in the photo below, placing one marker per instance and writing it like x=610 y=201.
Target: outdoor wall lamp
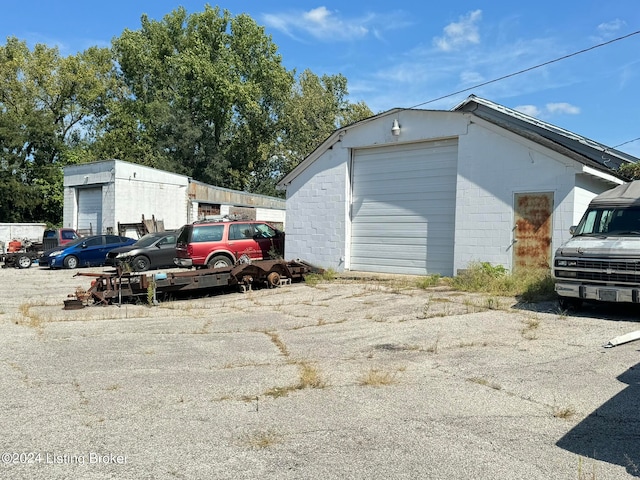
x=395 y=130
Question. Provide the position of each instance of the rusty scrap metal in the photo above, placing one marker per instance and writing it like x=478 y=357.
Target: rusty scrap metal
x=106 y=287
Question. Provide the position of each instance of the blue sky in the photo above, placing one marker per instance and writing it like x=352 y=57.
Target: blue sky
x=401 y=54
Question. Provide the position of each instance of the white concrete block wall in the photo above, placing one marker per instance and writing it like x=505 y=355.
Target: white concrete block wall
x=493 y=166
x=317 y=212
x=70 y=208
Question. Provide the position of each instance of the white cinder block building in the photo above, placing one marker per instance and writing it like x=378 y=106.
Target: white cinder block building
x=99 y=196
x=424 y=192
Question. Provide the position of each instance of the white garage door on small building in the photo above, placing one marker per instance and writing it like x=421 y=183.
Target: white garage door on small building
x=90 y=211
x=403 y=208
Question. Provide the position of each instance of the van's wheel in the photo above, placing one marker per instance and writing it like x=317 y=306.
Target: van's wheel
x=569 y=303
x=71 y=262
x=219 y=261
x=24 y=261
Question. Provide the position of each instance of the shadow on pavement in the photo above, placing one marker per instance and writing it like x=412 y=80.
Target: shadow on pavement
x=612 y=432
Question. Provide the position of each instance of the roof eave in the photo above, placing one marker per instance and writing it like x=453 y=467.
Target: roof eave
x=334 y=138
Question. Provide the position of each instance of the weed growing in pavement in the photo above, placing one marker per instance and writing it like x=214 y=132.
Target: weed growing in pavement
x=277 y=341
x=376 y=377
x=530 y=330
x=261 y=439
x=485 y=382
x=564 y=412
x=309 y=377
x=151 y=293
x=31 y=318
x=584 y=475
x=631 y=466
x=492 y=303
x=428 y=281
x=313 y=279
x=434 y=347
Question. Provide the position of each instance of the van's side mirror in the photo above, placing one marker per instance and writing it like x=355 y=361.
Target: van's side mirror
x=572 y=229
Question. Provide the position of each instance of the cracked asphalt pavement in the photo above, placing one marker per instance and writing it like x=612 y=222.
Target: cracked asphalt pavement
x=365 y=377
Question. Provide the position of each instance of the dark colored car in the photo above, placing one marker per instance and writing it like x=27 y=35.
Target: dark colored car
x=221 y=244
x=83 y=252
x=154 y=250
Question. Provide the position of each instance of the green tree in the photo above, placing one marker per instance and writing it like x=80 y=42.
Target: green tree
x=317 y=106
x=630 y=170
x=208 y=89
x=48 y=104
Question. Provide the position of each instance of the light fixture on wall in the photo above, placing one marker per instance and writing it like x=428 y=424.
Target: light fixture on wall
x=395 y=130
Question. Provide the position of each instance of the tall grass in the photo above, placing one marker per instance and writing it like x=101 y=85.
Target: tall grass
x=529 y=285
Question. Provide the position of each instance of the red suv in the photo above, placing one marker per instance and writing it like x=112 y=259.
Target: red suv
x=221 y=244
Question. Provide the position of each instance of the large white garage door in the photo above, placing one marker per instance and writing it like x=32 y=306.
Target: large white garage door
x=403 y=208
x=90 y=210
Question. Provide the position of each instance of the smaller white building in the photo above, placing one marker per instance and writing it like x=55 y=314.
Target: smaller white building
x=98 y=196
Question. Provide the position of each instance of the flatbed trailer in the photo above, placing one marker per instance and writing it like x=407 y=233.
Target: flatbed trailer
x=19 y=259
x=118 y=286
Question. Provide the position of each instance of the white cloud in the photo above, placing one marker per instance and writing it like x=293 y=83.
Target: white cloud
x=459 y=34
x=530 y=110
x=609 y=29
x=471 y=78
x=328 y=25
x=562 y=107
x=549 y=110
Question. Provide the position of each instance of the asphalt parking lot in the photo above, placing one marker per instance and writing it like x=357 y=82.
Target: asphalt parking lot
x=365 y=378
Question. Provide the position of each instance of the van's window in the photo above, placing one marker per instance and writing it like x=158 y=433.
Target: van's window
x=610 y=221
x=207 y=233
x=68 y=235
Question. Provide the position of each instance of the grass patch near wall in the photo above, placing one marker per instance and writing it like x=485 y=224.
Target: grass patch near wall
x=313 y=279
x=529 y=285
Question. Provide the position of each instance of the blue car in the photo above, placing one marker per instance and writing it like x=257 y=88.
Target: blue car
x=83 y=252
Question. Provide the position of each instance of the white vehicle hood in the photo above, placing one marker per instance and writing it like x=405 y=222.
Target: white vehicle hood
x=601 y=246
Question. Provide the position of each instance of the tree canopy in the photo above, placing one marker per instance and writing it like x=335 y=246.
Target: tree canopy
x=47 y=105
x=203 y=94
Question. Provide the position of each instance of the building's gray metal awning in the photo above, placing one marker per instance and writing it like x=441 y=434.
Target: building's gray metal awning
x=581 y=149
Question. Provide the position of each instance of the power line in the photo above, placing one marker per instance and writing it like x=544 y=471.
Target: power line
x=628 y=141
x=520 y=72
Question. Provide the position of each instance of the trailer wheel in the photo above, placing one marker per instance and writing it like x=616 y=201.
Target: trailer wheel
x=71 y=262
x=273 y=279
x=24 y=261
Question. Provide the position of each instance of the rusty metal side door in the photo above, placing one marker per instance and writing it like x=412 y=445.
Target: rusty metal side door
x=533 y=230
